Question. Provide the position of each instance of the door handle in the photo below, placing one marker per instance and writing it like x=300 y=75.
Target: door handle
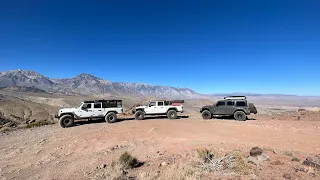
x=99 y=110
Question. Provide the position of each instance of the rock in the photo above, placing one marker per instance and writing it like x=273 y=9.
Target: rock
x=287 y=176
x=102 y=166
x=163 y=164
x=258 y=160
x=256 y=151
x=312 y=161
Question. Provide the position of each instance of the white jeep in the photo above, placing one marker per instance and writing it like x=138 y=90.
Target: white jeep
x=160 y=107
x=107 y=109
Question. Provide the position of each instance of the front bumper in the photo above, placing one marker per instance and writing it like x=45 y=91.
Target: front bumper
x=56 y=116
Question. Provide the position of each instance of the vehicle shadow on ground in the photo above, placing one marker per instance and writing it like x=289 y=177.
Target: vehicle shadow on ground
x=231 y=118
x=95 y=121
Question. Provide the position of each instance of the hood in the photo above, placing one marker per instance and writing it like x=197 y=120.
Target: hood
x=208 y=106
x=67 y=110
x=141 y=107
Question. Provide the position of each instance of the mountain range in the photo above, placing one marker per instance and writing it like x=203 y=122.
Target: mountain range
x=87 y=84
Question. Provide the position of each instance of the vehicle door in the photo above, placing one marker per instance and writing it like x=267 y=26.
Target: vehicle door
x=230 y=107
x=161 y=109
x=152 y=108
x=221 y=108
x=85 y=111
x=97 y=109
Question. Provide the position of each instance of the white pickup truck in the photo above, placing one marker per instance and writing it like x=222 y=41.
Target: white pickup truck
x=160 y=107
x=107 y=109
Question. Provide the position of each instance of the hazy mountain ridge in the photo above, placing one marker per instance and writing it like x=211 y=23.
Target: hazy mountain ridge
x=89 y=84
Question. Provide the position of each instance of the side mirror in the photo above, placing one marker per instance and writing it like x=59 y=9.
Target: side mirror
x=83 y=108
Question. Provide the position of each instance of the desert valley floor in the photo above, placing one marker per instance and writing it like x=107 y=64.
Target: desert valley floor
x=52 y=152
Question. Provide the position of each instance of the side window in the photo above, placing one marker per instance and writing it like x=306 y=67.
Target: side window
x=240 y=103
x=230 y=103
x=152 y=104
x=160 y=103
x=87 y=106
x=97 y=105
x=221 y=103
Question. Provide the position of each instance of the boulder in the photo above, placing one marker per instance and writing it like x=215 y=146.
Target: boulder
x=256 y=151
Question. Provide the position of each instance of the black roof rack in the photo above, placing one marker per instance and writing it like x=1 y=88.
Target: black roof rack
x=171 y=101
x=102 y=100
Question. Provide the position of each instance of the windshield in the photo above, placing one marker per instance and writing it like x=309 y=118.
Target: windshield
x=79 y=105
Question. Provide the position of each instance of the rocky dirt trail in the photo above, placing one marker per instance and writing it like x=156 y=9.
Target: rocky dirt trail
x=51 y=152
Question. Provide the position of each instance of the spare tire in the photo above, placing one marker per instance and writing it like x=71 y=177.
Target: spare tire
x=252 y=108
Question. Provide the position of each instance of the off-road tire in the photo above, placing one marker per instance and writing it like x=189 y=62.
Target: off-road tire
x=111 y=117
x=172 y=114
x=66 y=121
x=240 y=116
x=206 y=114
x=139 y=115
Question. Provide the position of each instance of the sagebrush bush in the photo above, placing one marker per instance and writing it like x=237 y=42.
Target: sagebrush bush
x=128 y=161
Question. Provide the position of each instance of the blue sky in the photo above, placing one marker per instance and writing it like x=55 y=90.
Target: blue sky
x=209 y=46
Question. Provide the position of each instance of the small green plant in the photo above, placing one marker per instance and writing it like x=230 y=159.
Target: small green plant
x=128 y=161
x=288 y=153
x=295 y=159
x=38 y=124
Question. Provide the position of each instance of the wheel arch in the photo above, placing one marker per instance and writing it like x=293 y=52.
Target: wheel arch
x=69 y=113
x=175 y=109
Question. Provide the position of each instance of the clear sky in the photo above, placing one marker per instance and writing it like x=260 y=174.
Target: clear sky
x=270 y=46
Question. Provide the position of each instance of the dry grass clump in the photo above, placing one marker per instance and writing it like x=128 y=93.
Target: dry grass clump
x=172 y=172
x=112 y=172
x=5 y=129
x=38 y=124
x=223 y=163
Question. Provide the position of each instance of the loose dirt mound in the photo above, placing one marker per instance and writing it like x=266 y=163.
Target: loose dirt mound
x=15 y=112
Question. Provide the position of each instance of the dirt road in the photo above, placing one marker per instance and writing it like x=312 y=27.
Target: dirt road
x=51 y=152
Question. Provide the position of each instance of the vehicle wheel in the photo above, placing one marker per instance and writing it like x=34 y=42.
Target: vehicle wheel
x=111 y=117
x=66 y=121
x=139 y=115
x=172 y=114
x=240 y=116
x=206 y=114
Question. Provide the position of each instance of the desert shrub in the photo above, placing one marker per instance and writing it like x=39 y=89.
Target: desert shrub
x=288 y=153
x=128 y=161
x=204 y=154
x=295 y=159
x=38 y=124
